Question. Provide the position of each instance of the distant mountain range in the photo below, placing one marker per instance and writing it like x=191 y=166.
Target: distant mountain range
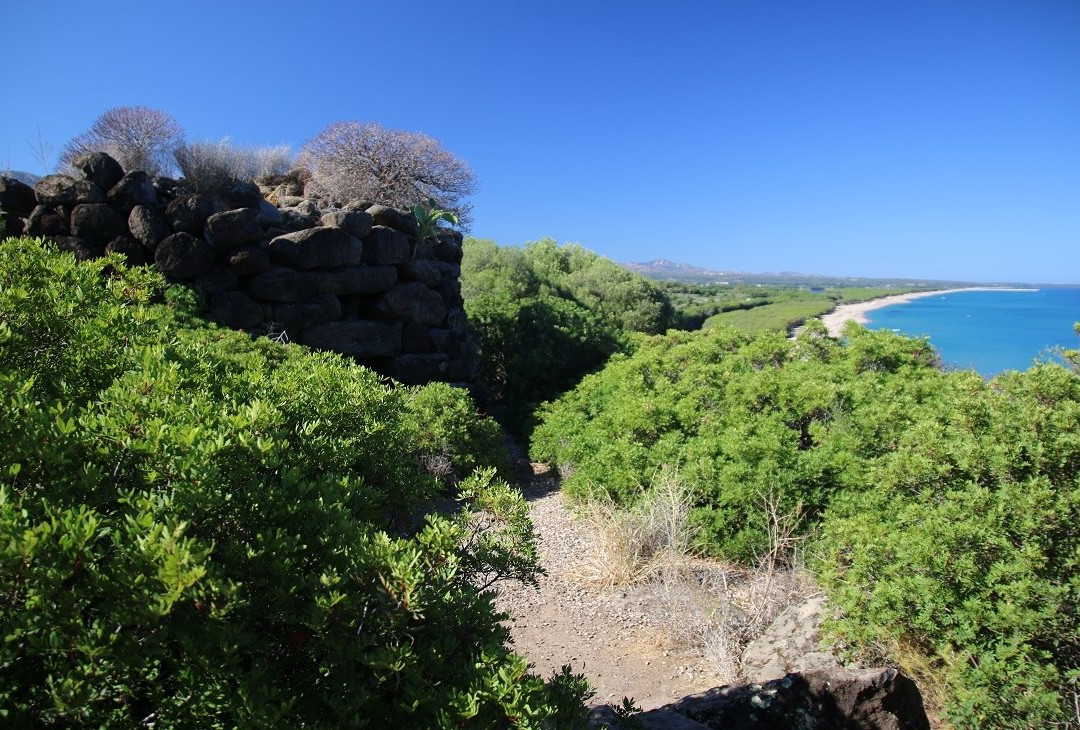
x=22 y=176
x=666 y=270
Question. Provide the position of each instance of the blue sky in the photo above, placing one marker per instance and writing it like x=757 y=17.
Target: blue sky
x=934 y=139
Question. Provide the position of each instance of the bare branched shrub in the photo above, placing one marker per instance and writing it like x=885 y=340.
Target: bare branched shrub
x=354 y=161
x=213 y=166
x=139 y=138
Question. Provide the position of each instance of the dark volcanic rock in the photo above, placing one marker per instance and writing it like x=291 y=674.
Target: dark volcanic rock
x=47 y=221
x=831 y=699
x=249 y=261
x=188 y=213
x=416 y=369
x=318 y=247
x=147 y=225
x=96 y=222
x=401 y=220
x=242 y=195
x=288 y=285
x=65 y=190
x=132 y=250
x=135 y=188
x=216 y=280
x=84 y=250
x=413 y=302
x=234 y=228
x=295 y=317
x=268 y=214
x=236 y=310
x=16 y=197
x=352 y=222
x=182 y=256
x=385 y=246
x=358 y=338
x=99 y=168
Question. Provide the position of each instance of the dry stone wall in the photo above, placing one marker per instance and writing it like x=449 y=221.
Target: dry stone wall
x=352 y=278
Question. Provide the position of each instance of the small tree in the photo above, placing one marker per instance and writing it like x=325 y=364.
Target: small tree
x=138 y=137
x=354 y=161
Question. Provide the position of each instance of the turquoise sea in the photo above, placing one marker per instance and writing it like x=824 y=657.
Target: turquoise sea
x=989 y=331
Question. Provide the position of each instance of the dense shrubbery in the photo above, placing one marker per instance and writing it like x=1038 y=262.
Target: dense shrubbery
x=202 y=530
x=545 y=315
x=947 y=507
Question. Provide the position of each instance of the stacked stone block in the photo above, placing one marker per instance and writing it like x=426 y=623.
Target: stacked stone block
x=354 y=279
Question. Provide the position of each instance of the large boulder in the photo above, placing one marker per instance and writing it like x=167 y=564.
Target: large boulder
x=289 y=285
x=413 y=369
x=353 y=222
x=84 y=250
x=147 y=225
x=791 y=643
x=236 y=310
x=268 y=214
x=319 y=247
x=134 y=188
x=250 y=260
x=242 y=195
x=294 y=318
x=232 y=229
x=66 y=190
x=401 y=220
x=182 y=256
x=830 y=699
x=413 y=302
x=99 y=168
x=358 y=338
x=16 y=197
x=386 y=246
x=132 y=251
x=45 y=220
x=188 y=213
x=96 y=222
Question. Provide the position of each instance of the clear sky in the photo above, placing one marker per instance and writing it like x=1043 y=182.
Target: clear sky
x=908 y=138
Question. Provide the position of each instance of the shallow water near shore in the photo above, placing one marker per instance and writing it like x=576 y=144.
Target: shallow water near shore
x=989 y=331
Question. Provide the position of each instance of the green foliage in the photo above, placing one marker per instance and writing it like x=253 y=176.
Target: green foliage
x=202 y=530
x=946 y=506
x=428 y=215
x=545 y=315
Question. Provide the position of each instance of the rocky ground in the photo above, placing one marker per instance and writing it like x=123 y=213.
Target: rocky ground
x=614 y=635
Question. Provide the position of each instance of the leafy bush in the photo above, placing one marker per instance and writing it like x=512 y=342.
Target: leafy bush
x=946 y=506
x=545 y=315
x=201 y=530
x=971 y=554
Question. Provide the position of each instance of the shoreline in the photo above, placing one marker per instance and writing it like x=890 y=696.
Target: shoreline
x=835 y=320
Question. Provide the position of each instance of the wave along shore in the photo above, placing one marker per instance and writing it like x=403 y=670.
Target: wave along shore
x=835 y=320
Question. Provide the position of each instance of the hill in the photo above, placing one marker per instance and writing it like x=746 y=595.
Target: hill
x=665 y=270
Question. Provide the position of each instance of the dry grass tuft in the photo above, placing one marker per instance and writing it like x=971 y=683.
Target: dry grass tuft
x=716 y=607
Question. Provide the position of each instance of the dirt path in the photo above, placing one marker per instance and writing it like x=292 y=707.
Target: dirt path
x=614 y=636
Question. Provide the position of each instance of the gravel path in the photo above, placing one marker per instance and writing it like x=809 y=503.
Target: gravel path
x=615 y=636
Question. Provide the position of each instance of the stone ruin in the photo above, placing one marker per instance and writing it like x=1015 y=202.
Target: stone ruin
x=350 y=278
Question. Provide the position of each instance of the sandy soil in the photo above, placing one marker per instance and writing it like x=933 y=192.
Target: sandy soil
x=614 y=636
x=834 y=321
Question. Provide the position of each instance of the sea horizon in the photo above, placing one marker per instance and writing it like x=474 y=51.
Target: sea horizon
x=989 y=330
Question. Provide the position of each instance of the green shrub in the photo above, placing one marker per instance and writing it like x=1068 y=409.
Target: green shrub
x=545 y=315
x=946 y=507
x=202 y=530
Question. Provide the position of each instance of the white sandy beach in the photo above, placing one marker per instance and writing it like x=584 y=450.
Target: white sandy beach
x=835 y=320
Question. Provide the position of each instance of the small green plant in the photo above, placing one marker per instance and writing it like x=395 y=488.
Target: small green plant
x=428 y=216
